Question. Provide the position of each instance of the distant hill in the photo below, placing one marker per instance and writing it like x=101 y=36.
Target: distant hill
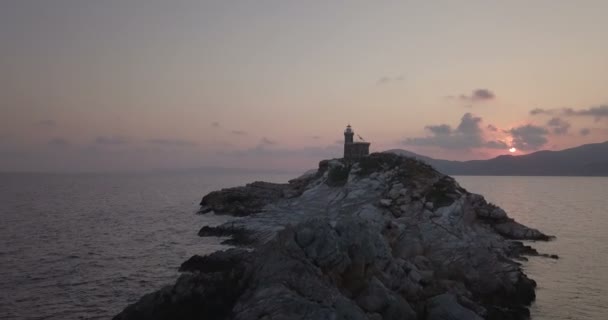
x=585 y=160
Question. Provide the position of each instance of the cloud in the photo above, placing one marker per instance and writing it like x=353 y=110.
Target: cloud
x=327 y=152
x=482 y=94
x=238 y=132
x=585 y=132
x=387 y=79
x=558 y=125
x=267 y=142
x=529 y=137
x=496 y=144
x=262 y=147
x=383 y=80
x=492 y=128
x=266 y=147
x=59 y=142
x=469 y=125
x=215 y=124
x=598 y=113
x=46 y=123
x=595 y=112
x=537 y=111
x=477 y=95
x=172 y=142
x=110 y=140
x=442 y=129
x=467 y=135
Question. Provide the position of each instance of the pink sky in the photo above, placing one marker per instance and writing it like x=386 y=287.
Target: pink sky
x=140 y=84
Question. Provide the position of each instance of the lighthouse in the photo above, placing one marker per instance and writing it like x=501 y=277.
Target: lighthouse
x=354 y=150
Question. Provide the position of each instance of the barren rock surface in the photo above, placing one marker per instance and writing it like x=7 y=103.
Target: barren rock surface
x=387 y=237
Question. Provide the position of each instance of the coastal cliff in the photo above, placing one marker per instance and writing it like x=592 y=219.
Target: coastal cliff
x=386 y=237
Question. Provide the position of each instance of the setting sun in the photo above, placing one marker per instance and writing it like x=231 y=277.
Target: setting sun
x=512 y=150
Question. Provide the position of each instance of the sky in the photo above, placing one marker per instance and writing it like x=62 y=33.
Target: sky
x=118 y=85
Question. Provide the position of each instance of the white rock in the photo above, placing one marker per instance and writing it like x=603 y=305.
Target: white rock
x=386 y=202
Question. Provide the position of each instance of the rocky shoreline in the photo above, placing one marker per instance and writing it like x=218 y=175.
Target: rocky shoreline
x=387 y=237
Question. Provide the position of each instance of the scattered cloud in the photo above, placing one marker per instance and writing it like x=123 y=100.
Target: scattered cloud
x=238 y=132
x=267 y=142
x=540 y=111
x=469 y=125
x=172 y=142
x=59 y=142
x=598 y=113
x=477 y=95
x=585 y=132
x=383 y=80
x=529 y=137
x=387 y=79
x=492 y=128
x=467 y=135
x=442 y=129
x=558 y=126
x=328 y=152
x=496 y=144
x=46 y=123
x=264 y=147
x=215 y=124
x=482 y=94
x=110 y=140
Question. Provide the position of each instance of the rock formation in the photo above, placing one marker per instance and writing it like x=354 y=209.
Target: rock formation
x=386 y=237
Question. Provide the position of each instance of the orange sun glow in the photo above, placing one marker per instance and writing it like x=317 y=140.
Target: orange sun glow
x=512 y=150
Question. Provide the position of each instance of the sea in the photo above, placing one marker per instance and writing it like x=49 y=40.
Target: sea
x=84 y=246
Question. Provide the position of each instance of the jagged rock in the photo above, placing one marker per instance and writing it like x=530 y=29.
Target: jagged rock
x=250 y=199
x=208 y=295
x=237 y=234
x=398 y=309
x=216 y=262
x=386 y=202
x=494 y=213
x=514 y=230
x=396 y=191
x=375 y=298
x=446 y=307
x=387 y=237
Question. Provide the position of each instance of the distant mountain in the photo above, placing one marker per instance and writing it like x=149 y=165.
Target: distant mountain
x=585 y=160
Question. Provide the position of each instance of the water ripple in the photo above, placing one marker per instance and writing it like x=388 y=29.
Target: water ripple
x=573 y=209
x=85 y=246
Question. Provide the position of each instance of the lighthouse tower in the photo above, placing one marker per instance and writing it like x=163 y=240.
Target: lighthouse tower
x=349 y=135
x=354 y=150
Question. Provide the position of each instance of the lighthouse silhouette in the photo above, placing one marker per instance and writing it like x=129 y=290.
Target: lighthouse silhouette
x=354 y=150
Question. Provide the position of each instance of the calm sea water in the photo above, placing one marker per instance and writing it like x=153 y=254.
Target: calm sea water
x=575 y=210
x=84 y=246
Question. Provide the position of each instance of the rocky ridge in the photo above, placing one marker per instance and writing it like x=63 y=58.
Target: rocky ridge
x=387 y=237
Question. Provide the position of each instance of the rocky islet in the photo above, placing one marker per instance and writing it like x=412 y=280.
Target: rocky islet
x=385 y=237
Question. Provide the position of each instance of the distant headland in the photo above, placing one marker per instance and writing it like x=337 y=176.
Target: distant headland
x=585 y=160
